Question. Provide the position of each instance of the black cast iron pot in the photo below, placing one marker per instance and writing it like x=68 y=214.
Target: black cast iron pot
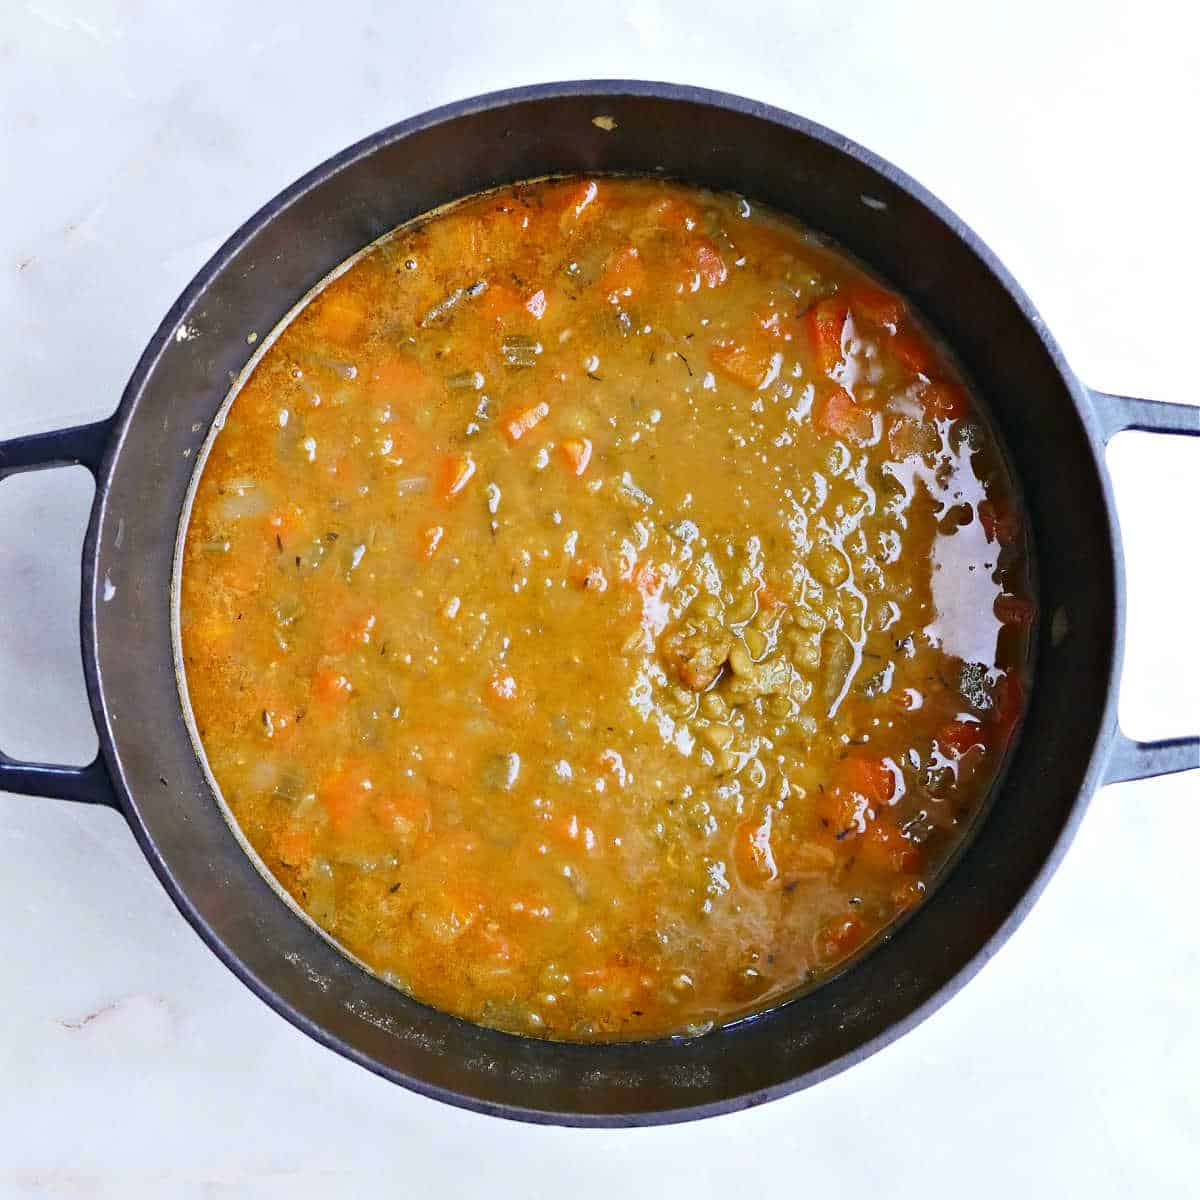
x=1054 y=428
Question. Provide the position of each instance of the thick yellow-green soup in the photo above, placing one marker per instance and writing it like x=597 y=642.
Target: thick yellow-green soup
x=604 y=608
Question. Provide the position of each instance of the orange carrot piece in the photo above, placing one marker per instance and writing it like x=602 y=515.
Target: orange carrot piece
x=454 y=473
x=959 y=738
x=517 y=424
x=840 y=937
x=399 y=378
x=876 y=305
x=825 y=323
x=500 y=301
x=576 y=453
x=838 y=414
x=331 y=686
x=737 y=361
x=624 y=272
x=344 y=793
x=912 y=351
x=866 y=775
x=402 y=813
x=885 y=848
x=753 y=854
x=706 y=263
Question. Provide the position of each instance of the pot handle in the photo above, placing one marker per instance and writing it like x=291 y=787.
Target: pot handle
x=84 y=445
x=1128 y=759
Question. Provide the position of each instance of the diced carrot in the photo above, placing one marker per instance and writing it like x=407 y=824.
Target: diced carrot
x=340 y=317
x=866 y=775
x=535 y=304
x=400 y=378
x=501 y=689
x=737 y=361
x=825 y=324
x=589 y=576
x=454 y=473
x=753 y=854
x=331 y=686
x=521 y=421
x=839 y=937
x=877 y=306
x=999 y=522
x=836 y=413
x=912 y=351
x=295 y=843
x=345 y=792
x=1014 y=610
x=842 y=811
x=576 y=453
x=624 y=272
x=429 y=541
x=945 y=400
x=402 y=813
x=706 y=266
x=959 y=738
x=885 y=848
x=500 y=301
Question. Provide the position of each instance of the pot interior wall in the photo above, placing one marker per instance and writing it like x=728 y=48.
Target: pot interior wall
x=278 y=255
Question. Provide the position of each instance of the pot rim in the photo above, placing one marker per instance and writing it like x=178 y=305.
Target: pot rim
x=599 y=88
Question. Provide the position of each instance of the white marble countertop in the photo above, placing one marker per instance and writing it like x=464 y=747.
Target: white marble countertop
x=135 y=137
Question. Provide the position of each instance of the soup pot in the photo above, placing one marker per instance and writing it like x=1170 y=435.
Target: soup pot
x=143 y=457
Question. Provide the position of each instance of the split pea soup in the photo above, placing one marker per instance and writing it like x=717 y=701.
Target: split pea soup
x=604 y=607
